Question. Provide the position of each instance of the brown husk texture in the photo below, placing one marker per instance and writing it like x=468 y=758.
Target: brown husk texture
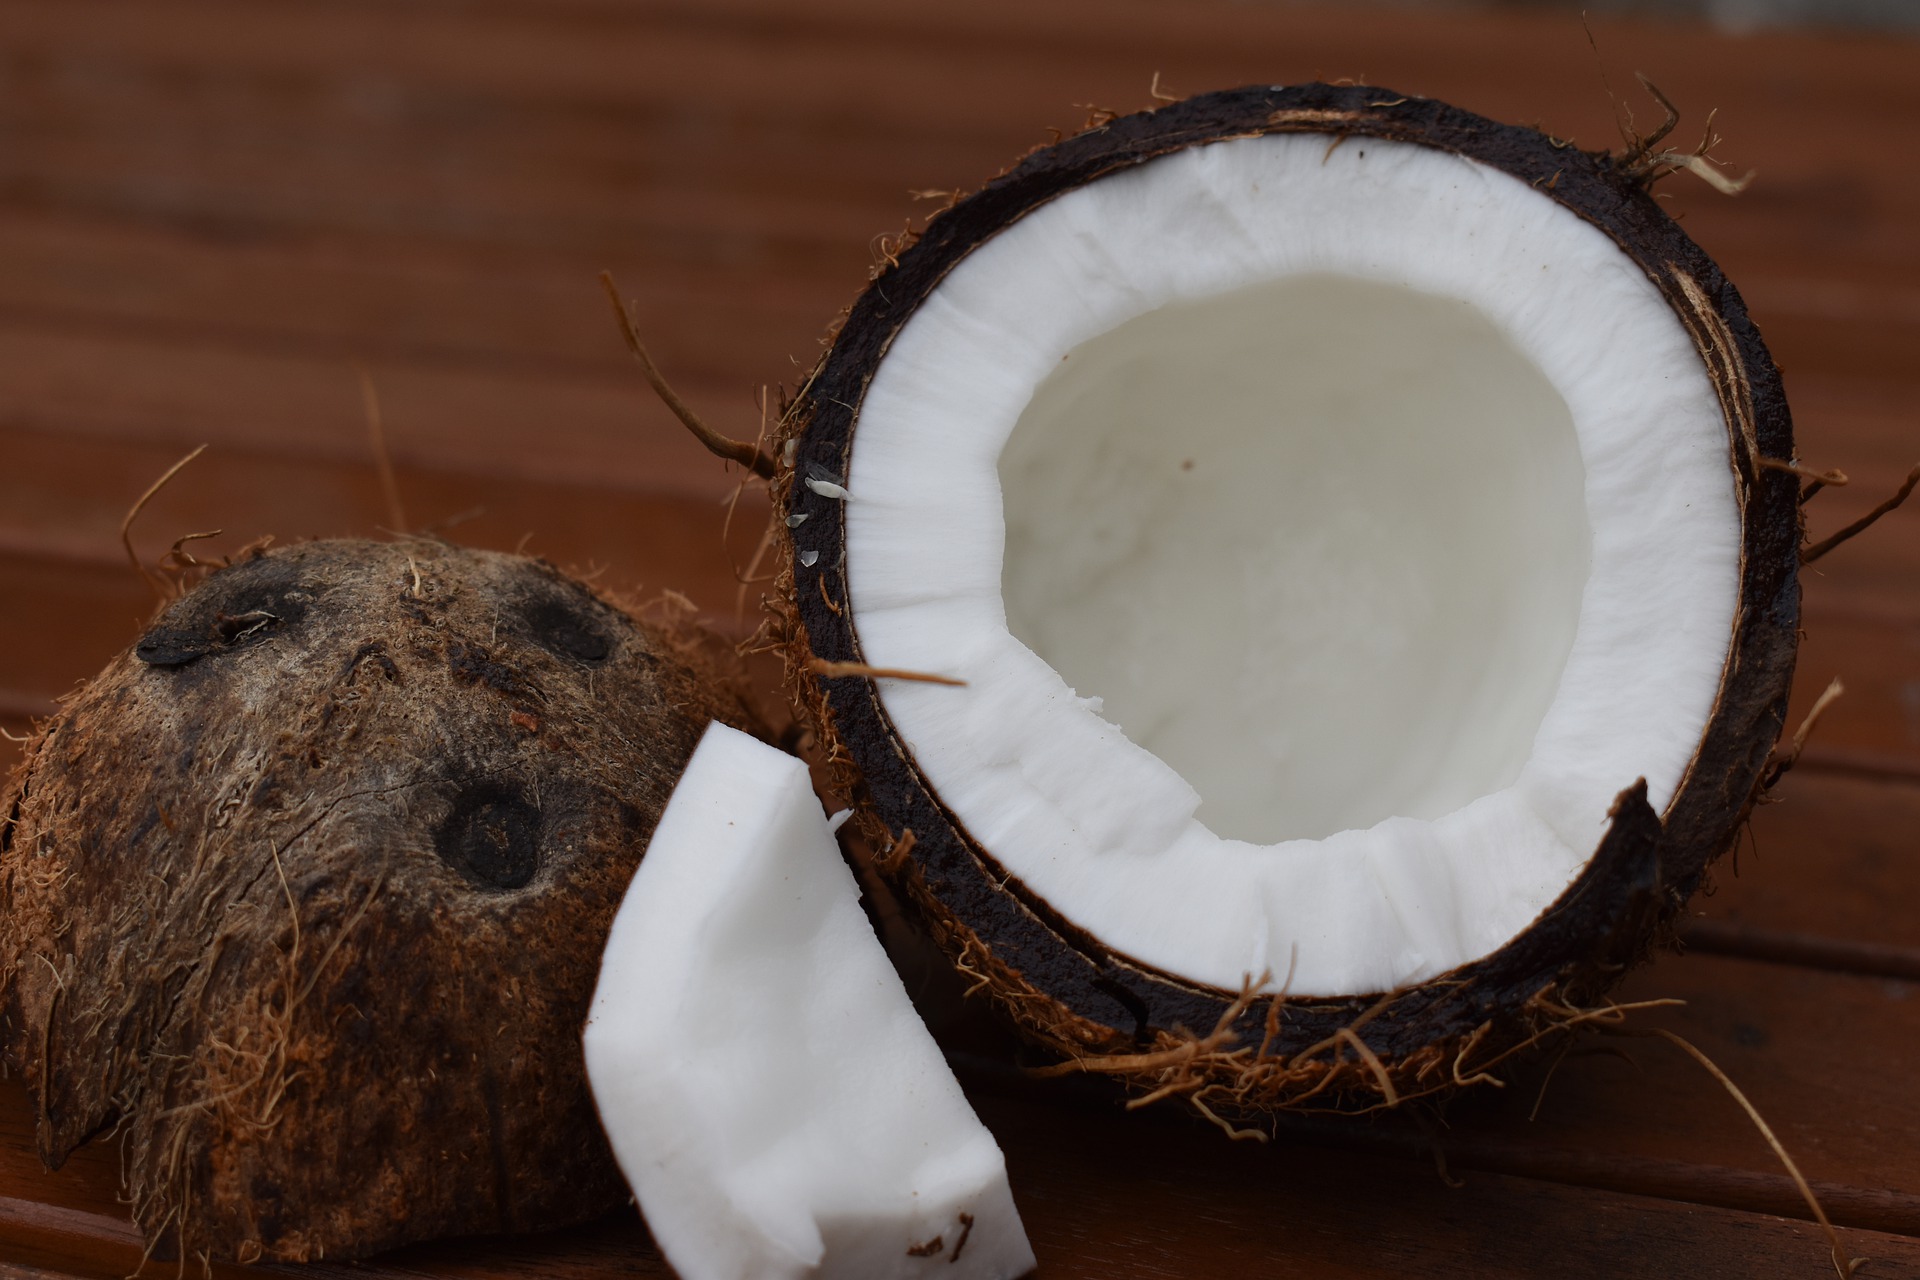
x=1099 y=1011
x=306 y=893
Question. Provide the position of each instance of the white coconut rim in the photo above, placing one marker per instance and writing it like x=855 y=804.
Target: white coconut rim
x=1101 y=828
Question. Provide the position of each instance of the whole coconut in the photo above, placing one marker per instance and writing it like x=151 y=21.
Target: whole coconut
x=307 y=891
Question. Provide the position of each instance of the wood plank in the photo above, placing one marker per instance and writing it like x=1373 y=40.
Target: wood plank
x=1822 y=1055
x=1825 y=879
x=578 y=169
x=370 y=298
x=1659 y=1124
x=531 y=424
x=1293 y=1210
x=1461 y=1148
x=132 y=140
x=9 y=1271
x=1712 y=936
x=1193 y=1204
x=1867 y=427
x=63 y=623
x=73 y=1220
x=1878 y=659
x=585 y=52
x=1834 y=857
x=79 y=489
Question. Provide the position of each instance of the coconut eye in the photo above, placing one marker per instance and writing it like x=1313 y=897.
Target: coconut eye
x=237 y=608
x=492 y=837
x=564 y=623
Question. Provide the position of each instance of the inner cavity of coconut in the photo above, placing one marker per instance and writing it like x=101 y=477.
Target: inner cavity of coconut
x=1350 y=697
x=1318 y=544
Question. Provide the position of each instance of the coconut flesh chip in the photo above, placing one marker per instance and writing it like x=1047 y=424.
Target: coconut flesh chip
x=769 y=1091
x=1347 y=518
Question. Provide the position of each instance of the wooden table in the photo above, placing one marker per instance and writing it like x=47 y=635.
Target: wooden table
x=211 y=212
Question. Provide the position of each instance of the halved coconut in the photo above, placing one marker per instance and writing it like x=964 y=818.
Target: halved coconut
x=770 y=1093
x=1348 y=518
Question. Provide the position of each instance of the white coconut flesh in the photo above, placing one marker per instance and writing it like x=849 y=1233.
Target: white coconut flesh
x=1325 y=538
x=772 y=1097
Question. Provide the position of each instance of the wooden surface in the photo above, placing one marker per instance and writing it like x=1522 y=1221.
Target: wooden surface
x=210 y=212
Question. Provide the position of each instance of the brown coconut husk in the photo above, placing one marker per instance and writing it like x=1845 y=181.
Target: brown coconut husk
x=306 y=894
x=1231 y=1056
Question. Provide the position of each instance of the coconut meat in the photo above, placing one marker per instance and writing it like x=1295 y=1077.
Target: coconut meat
x=1326 y=537
x=770 y=1093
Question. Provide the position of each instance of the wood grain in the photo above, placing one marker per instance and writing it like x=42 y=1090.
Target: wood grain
x=212 y=211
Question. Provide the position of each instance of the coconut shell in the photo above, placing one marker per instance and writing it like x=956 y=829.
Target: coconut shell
x=306 y=893
x=1101 y=1010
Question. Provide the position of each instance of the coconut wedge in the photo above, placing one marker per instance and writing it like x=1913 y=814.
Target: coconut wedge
x=1355 y=550
x=770 y=1093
